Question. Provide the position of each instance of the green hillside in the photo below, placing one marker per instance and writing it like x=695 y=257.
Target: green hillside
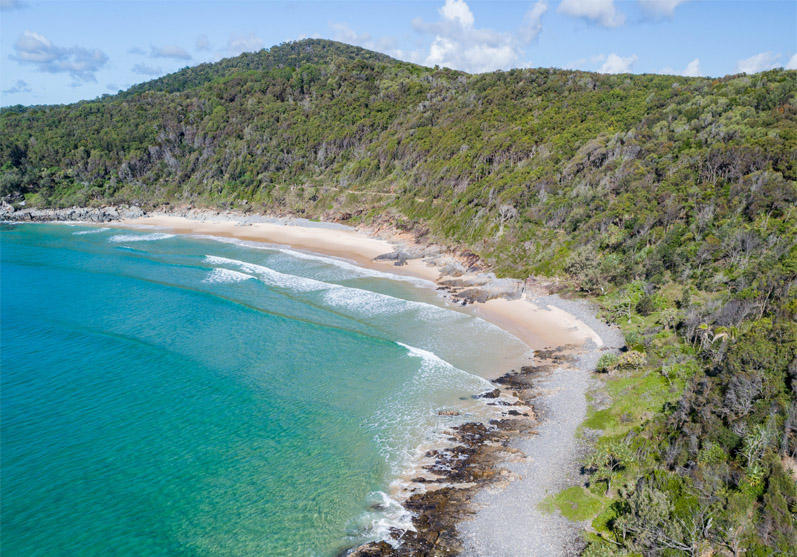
x=668 y=200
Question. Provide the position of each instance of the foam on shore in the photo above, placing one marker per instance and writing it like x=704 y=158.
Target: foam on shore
x=340 y=263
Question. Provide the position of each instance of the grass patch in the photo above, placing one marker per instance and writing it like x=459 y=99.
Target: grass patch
x=604 y=518
x=575 y=503
x=634 y=399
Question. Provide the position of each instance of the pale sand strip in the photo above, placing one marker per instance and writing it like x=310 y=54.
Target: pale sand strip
x=537 y=325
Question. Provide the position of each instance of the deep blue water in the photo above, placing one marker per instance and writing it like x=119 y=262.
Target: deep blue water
x=176 y=395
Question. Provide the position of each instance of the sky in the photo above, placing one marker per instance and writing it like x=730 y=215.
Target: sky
x=54 y=52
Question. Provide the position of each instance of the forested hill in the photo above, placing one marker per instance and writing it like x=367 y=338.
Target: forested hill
x=669 y=200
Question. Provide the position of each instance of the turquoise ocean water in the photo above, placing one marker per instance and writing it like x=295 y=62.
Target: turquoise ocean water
x=166 y=394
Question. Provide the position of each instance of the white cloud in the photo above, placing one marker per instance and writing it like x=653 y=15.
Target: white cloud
x=80 y=63
x=475 y=57
x=758 y=63
x=532 y=22
x=618 y=64
x=693 y=68
x=19 y=87
x=240 y=43
x=146 y=69
x=136 y=50
x=457 y=42
x=202 y=42
x=660 y=7
x=792 y=63
x=169 y=51
x=599 y=11
x=457 y=11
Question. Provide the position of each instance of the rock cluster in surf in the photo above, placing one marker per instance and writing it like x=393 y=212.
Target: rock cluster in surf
x=474 y=460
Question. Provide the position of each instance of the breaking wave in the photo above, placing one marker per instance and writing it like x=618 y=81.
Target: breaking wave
x=360 y=301
x=222 y=276
x=119 y=238
x=92 y=231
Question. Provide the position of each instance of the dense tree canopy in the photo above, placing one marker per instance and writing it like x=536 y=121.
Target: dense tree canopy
x=669 y=199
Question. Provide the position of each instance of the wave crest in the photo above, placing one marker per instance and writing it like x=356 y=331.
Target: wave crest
x=119 y=238
x=92 y=231
x=226 y=276
x=347 y=298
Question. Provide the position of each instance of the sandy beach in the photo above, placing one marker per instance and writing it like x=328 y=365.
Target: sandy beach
x=538 y=325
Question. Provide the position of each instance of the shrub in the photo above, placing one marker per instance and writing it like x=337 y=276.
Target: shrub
x=607 y=362
x=645 y=305
x=632 y=359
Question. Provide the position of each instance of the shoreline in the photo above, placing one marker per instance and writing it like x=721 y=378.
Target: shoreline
x=540 y=326
x=479 y=460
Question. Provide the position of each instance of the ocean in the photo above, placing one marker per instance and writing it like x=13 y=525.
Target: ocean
x=165 y=394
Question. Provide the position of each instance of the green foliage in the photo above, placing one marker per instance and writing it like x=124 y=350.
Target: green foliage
x=645 y=305
x=670 y=199
x=631 y=359
x=635 y=398
x=575 y=503
x=607 y=362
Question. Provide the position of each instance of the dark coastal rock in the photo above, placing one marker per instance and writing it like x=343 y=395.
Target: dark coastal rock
x=370 y=549
x=495 y=393
x=464 y=282
x=456 y=473
x=398 y=257
x=76 y=214
x=471 y=260
x=481 y=287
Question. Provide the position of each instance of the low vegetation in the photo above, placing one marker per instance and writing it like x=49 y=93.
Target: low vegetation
x=668 y=200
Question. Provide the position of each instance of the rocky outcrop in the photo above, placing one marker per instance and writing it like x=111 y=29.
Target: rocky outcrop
x=474 y=461
x=481 y=287
x=70 y=214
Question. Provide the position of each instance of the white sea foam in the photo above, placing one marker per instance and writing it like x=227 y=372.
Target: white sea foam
x=354 y=268
x=363 y=301
x=386 y=513
x=92 y=231
x=407 y=423
x=223 y=276
x=272 y=277
x=435 y=362
x=357 y=270
x=119 y=238
x=425 y=355
x=357 y=300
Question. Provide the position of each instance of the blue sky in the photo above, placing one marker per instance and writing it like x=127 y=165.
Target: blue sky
x=65 y=51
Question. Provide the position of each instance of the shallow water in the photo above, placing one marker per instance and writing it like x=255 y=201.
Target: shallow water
x=168 y=394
